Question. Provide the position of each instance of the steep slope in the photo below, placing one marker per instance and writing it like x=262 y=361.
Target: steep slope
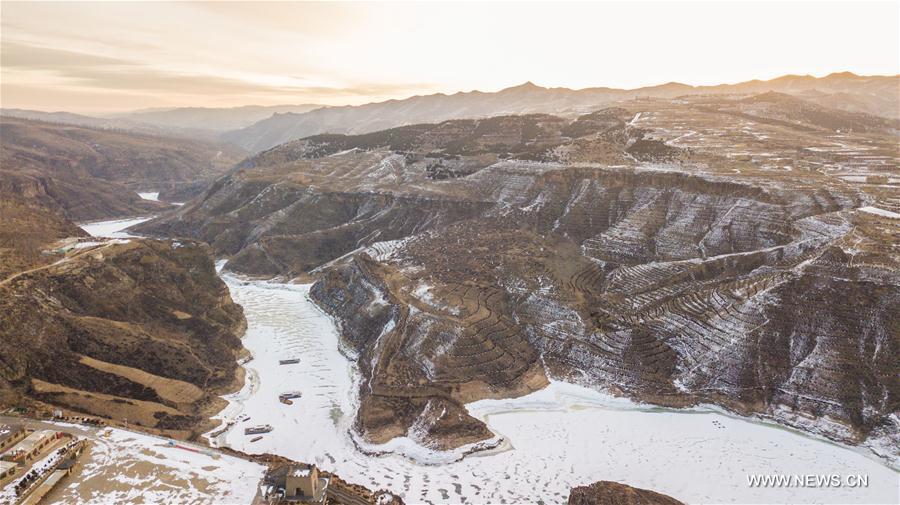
x=665 y=250
x=143 y=331
x=76 y=198
x=529 y=98
x=72 y=155
x=25 y=230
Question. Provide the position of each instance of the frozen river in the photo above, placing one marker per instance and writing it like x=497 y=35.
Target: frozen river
x=112 y=229
x=558 y=438
x=150 y=195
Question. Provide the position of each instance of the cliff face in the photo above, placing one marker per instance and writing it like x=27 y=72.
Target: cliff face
x=613 y=493
x=676 y=252
x=143 y=331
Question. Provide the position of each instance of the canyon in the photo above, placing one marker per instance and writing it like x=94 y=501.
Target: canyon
x=533 y=279
x=708 y=249
x=543 y=445
x=118 y=328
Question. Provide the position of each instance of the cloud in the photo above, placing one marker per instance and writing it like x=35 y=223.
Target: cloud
x=18 y=55
x=104 y=73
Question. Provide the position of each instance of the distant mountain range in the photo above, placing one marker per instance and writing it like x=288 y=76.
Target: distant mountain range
x=91 y=173
x=95 y=122
x=256 y=128
x=207 y=118
x=879 y=95
x=195 y=122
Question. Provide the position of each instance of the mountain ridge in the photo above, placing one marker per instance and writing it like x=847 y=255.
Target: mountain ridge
x=874 y=95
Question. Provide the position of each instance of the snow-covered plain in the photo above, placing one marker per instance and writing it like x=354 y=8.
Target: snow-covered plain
x=127 y=467
x=562 y=436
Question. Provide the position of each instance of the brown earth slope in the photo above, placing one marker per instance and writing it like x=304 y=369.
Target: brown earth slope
x=674 y=251
x=103 y=163
x=144 y=331
x=613 y=493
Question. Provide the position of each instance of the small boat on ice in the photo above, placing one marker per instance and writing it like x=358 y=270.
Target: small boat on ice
x=286 y=398
x=261 y=428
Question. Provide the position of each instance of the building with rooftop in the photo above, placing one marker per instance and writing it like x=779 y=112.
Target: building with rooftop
x=7 y=469
x=31 y=446
x=296 y=483
x=10 y=434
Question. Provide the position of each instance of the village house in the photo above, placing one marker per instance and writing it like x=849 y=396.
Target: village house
x=31 y=446
x=7 y=468
x=51 y=477
x=10 y=435
x=296 y=483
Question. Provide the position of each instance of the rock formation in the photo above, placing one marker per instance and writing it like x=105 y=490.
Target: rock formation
x=143 y=331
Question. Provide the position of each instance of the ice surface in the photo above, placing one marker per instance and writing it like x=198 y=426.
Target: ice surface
x=112 y=229
x=153 y=196
x=557 y=438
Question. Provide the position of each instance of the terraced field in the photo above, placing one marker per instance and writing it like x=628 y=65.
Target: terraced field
x=739 y=250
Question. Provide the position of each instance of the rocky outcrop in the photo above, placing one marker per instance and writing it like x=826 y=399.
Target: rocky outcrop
x=613 y=493
x=663 y=250
x=401 y=396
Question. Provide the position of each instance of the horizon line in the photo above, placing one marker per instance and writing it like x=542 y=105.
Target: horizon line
x=107 y=114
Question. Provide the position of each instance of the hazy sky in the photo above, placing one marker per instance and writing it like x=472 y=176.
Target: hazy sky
x=92 y=57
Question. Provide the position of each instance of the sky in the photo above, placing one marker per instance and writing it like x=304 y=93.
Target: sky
x=113 y=56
